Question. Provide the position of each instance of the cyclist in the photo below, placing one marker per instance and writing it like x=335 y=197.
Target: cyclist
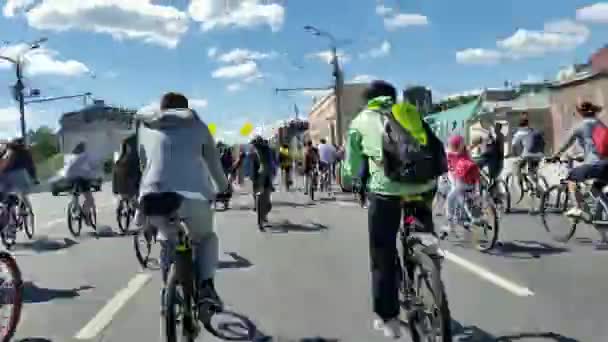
x=595 y=165
x=530 y=145
x=366 y=137
x=262 y=173
x=179 y=155
x=286 y=162
x=311 y=159
x=327 y=158
x=227 y=160
x=127 y=170
x=492 y=151
x=20 y=170
x=79 y=169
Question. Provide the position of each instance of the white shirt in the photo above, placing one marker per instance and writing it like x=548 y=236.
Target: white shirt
x=327 y=153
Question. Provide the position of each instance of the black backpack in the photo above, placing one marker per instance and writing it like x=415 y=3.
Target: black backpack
x=535 y=142
x=405 y=159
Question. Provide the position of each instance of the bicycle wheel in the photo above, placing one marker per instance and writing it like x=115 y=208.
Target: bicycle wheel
x=177 y=325
x=93 y=218
x=11 y=285
x=74 y=219
x=485 y=234
x=311 y=190
x=259 y=205
x=432 y=321
x=142 y=243
x=502 y=196
x=123 y=216
x=515 y=188
x=536 y=192
x=27 y=219
x=553 y=205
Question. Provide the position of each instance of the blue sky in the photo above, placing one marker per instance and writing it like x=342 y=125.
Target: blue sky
x=229 y=55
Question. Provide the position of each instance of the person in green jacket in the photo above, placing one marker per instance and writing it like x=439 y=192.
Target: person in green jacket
x=386 y=197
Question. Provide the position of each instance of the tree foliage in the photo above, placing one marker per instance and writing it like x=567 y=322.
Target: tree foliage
x=44 y=143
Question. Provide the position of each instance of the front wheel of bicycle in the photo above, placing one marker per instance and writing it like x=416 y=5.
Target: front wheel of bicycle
x=142 y=243
x=502 y=196
x=179 y=322
x=259 y=207
x=74 y=219
x=429 y=318
x=123 y=216
x=12 y=296
x=555 y=202
x=311 y=191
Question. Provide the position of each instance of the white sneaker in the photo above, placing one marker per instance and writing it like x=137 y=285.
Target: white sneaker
x=577 y=213
x=390 y=328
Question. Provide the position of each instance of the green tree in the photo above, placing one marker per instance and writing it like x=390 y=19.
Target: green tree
x=44 y=143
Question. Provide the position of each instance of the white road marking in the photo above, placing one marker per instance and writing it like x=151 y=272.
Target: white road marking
x=107 y=313
x=489 y=276
x=54 y=222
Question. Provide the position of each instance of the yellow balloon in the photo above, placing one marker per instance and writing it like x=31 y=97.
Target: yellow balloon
x=212 y=128
x=247 y=129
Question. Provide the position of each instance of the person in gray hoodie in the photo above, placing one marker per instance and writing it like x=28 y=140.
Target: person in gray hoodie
x=178 y=155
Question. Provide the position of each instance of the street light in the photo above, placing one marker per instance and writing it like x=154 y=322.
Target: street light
x=338 y=84
x=19 y=87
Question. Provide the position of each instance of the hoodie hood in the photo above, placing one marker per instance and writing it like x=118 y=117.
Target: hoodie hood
x=167 y=118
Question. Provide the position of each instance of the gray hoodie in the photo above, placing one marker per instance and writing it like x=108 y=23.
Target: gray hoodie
x=179 y=155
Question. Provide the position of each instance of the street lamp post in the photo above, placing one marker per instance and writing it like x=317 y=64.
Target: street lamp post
x=337 y=73
x=19 y=86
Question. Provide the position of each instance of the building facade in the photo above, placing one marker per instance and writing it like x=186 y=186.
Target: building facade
x=322 y=116
x=100 y=126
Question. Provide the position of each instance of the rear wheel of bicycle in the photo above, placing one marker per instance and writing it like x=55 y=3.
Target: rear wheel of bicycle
x=74 y=219
x=430 y=318
x=27 y=219
x=502 y=195
x=537 y=192
x=311 y=191
x=11 y=296
x=123 y=216
x=515 y=189
x=485 y=234
x=176 y=326
x=555 y=202
x=142 y=243
x=259 y=205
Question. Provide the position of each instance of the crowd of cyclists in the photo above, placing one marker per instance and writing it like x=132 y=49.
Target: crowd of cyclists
x=390 y=150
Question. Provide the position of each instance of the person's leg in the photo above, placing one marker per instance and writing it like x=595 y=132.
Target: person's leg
x=384 y=220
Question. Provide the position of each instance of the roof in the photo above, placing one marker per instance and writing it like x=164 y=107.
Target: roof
x=532 y=101
x=459 y=113
x=497 y=95
x=578 y=79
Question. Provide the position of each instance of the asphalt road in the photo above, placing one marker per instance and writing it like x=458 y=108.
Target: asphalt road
x=308 y=277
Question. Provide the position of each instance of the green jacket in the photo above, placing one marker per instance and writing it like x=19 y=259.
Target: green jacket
x=365 y=136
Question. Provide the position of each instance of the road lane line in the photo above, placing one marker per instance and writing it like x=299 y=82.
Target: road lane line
x=107 y=313
x=489 y=276
x=54 y=222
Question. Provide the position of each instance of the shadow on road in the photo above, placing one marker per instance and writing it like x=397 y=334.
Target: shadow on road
x=34 y=339
x=287 y=226
x=35 y=294
x=521 y=249
x=45 y=244
x=548 y=336
x=237 y=262
x=232 y=326
x=474 y=334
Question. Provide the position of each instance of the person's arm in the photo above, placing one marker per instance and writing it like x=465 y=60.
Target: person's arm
x=212 y=157
x=571 y=140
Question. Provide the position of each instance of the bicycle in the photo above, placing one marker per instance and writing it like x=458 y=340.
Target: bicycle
x=181 y=296
x=426 y=310
x=76 y=214
x=558 y=200
x=531 y=184
x=146 y=236
x=325 y=181
x=125 y=212
x=12 y=290
x=312 y=185
x=498 y=191
x=15 y=216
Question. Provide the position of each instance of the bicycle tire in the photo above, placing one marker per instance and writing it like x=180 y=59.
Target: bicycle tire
x=544 y=202
x=311 y=191
x=501 y=186
x=123 y=216
x=539 y=189
x=74 y=230
x=171 y=331
x=491 y=242
x=142 y=258
x=431 y=271
x=28 y=220
x=15 y=316
x=93 y=218
x=260 y=219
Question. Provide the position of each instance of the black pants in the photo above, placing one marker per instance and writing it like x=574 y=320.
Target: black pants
x=363 y=189
x=384 y=220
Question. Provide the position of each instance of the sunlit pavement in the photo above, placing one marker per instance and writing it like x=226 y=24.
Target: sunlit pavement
x=306 y=278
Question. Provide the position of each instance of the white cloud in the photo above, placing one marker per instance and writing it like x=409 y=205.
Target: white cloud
x=316 y=93
x=596 y=13
x=234 y=87
x=383 y=10
x=12 y=6
x=381 y=51
x=478 y=56
x=212 y=52
x=10 y=124
x=242 y=14
x=198 y=103
x=133 y=19
x=43 y=61
x=326 y=56
x=242 y=55
x=402 y=20
x=556 y=36
x=364 y=78
x=245 y=70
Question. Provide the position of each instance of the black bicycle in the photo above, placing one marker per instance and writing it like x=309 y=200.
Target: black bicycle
x=76 y=213
x=313 y=184
x=558 y=200
x=125 y=212
x=531 y=183
x=182 y=307
x=11 y=296
x=15 y=216
x=423 y=298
